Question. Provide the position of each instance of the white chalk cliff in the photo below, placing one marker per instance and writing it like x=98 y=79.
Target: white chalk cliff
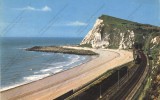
x=112 y=32
x=155 y=43
x=98 y=38
x=94 y=35
x=156 y=40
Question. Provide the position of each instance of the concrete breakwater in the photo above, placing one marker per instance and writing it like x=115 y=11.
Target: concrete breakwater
x=58 y=49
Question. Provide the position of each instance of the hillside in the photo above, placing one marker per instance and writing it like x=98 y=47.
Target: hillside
x=111 y=32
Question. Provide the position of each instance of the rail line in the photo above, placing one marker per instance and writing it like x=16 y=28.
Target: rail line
x=111 y=88
x=123 y=92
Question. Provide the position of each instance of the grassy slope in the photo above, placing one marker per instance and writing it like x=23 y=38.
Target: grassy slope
x=121 y=25
x=124 y=25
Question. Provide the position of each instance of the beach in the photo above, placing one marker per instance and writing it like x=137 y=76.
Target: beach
x=53 y=86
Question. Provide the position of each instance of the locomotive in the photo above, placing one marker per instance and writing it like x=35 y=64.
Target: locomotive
x=137 y=48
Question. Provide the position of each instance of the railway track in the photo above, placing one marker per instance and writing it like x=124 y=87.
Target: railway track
x=112 y=89
x=123 y=92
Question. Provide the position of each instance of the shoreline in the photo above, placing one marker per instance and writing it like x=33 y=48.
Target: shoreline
x=45 y=89
x=25 y=83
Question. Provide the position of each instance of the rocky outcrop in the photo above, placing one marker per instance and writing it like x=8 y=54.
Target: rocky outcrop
x=94 y=35
x=98 y=38
x=126 y=41
x=156 y=40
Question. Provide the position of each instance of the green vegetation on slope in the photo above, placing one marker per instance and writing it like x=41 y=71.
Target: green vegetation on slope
x=114 y=25
x=120 y=33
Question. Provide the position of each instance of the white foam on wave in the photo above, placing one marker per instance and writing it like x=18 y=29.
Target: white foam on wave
x=30 y=78
x=35 y=77
x=26 y=80
x=73 y=56
x=11 y=86
x=57 y=64
x=83 y=58
x=60 y=66
x=55 y=68
x=74 y=60
x=57 y=71
x=50 y=69
x=47 y=54
x=46 y=70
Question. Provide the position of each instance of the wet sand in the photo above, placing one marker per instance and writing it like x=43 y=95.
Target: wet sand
x=53 y=86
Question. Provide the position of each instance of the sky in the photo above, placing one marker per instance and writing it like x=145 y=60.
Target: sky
x=69 y=18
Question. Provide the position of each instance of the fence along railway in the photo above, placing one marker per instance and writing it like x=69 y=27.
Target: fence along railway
x=117 y=86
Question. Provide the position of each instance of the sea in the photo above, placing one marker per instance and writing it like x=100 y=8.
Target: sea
x=19 y=66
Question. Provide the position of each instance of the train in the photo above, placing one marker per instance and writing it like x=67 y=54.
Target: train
x=137 y=48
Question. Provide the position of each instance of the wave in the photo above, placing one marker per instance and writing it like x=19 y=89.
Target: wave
x=25 y=81
x=54 y=68
x=40 y=76
x=47 y=54
x=11 y=86
x=57 y=71
x=56 y=64
x=34 y=77
x=51 y=69
x=73 y=60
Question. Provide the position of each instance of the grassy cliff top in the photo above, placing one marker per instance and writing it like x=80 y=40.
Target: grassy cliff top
x=113 y=21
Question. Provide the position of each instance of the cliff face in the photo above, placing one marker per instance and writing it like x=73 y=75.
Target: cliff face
x=111 y=32
x=155 y=40
x=98 y=38
x=94 y=35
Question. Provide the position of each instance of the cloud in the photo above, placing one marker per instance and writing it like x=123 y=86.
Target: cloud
x=76 y=23
x=30 y=8
x=46 y=8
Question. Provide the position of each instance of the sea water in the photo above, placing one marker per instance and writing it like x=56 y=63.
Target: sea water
x=19 y=66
